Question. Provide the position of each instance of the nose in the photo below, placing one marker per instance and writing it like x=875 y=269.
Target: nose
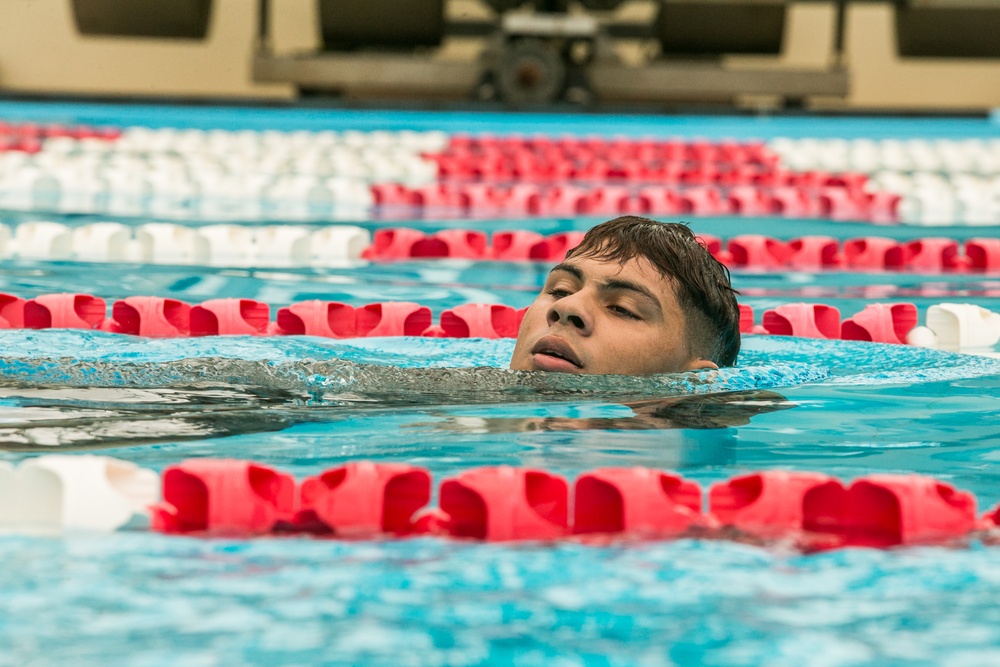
x=572 y=311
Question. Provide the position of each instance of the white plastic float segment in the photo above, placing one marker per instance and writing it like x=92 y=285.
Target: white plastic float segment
x=231 y=245
x=75 y=492
x=281 y=245
x=337 y=244
x=963 y=325
x=42 y=240
x=166 y=243
x=102 y=242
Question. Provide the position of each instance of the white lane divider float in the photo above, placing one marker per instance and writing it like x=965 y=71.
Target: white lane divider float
x=61 y=492
x=169 y=243
x=962 y=326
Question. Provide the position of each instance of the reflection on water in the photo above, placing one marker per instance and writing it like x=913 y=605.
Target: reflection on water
x=699 y=411
x=100 y=404
x=38 y=418
x=100 y=391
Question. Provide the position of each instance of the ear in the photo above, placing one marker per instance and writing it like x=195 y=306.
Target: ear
x=701 y=365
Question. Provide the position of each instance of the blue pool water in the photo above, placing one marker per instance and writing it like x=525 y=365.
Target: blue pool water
x=847 y=409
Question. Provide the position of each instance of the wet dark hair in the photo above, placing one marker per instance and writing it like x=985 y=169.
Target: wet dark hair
x=702 y=283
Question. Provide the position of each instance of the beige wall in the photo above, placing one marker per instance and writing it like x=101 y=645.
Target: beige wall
x=41 y=53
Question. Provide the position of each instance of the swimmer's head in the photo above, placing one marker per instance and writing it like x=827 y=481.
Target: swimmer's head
x=636 y=297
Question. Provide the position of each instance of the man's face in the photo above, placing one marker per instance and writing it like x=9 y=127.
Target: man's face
x=601 y=317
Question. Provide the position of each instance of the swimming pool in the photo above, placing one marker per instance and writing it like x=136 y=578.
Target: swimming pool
x=135 y=597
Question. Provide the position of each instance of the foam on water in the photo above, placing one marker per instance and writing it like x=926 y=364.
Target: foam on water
x=412 y=367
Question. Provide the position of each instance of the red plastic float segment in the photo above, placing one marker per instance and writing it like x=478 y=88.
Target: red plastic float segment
x=150 y=316
x=757 y=251
x=767 y=504
x=478 y=197
x=390 y=194
x=517 y=245
x=746 y=318
x=983 y=254
x=890 y=510
x=812 y=179
x=436 y=196
x=713 y=244
x=748 y=200
x=635 y=500
x=881 y=323
x=557 y=245
x=329 y=319
x=605 y=200
x=454 y=243
x=480 y=320
x=223 y=496
x=814 y=252
x=883 y=206
x=64 y=311
x=852 y=181
x=699 y=174
x=596 y=170
x=808 y=320
x=929 y=254
x=504 y=503
x=991 y=519
x=364 y=498
x=394 y=243
x=702 y=200
x=562 y=200
x=11 y=311
x=659 y=200
x=392 y=318
x=227 y=317
x=792 y=202
x=666 y=172
x=405 y=243
x=524 y=198
x=841 y=204
x=869 y=252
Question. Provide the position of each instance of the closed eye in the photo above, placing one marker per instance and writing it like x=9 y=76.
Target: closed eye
x=557 y=292
x=625 y=312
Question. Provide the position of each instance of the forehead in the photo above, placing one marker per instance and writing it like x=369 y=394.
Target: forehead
x=636 y=269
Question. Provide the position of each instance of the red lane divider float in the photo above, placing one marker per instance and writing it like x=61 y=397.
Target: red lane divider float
x=170 y=318
x=749 y=251
x=11 y=312
x=480 y=320
x=808 y=320
x=874 y=511
x=150 y=316
x=329 y=319
x=64 y=311
x=637 y=501
x=366 y=499
x=223 y=317
x=505 y=503
x=881 y=323
x=30 y=137
x=223 y=497
x=393 y=319
x=589 y=193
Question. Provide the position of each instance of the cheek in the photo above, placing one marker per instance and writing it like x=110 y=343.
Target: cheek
x=534 y=318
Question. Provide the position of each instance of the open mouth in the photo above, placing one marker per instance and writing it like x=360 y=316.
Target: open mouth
x=555 y=349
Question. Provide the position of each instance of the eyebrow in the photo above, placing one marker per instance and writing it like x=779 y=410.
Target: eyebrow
x=612 y=283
